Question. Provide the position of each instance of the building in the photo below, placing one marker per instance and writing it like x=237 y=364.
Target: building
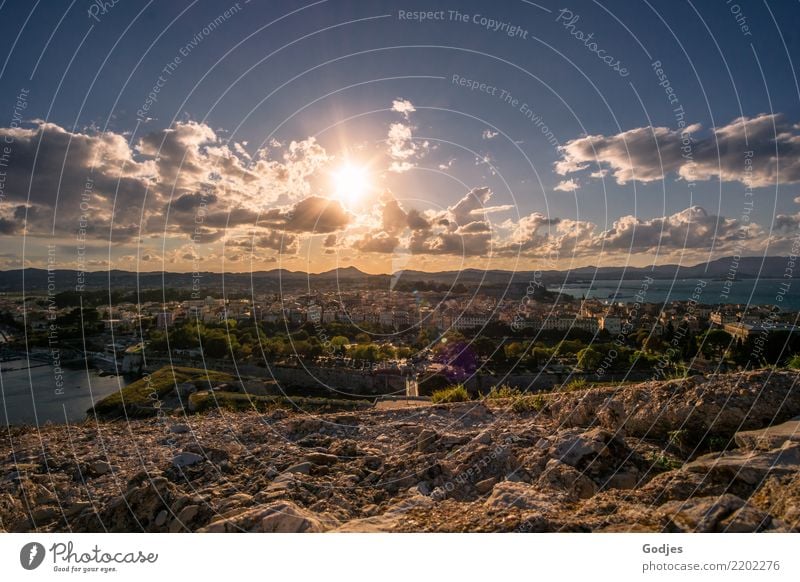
x=612 y=324
x=164 y=319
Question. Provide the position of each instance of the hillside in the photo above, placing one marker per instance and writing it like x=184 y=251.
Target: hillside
x=275 y=280
x=680 y=455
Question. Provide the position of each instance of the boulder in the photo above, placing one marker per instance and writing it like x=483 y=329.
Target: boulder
x=99 y=468
x=186 y=459
x=392 y=519
x=301 y=468
x=518 y=495
x=726 y=513
x=321 y=458
x=749 y=467
x=780 y=496
x=717 y=405
x=426 y=440
x=769 y=438
x=558 y=475
x=179 y=428
x=276 y=517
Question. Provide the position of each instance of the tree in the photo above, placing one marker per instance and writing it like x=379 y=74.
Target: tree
x=339 y=344
x=589 y=358
x=714 y=342
x=514 y=350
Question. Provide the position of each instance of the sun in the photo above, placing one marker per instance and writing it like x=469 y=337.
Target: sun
x=351 y=184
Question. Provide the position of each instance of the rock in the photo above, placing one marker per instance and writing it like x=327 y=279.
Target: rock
x=300 y=427
x=161 y=518
x=100 y=468
x=235 y=500
x=521 y=496
x=301 y=468
x=186 y=459
x=625 y=479
x=281 y=485
x=179 y=428
x=483 y=487
x=750 y=467
x=321 y=458
x=558 y=475
x=726 y=513
x=426 y=439
x=574 y=446
x=277 y=517
x=780 y=496
x=717 y=405
x=188 y=513
x=769 y=438
x=484 y=437
x=392 y=519
x=42 y=515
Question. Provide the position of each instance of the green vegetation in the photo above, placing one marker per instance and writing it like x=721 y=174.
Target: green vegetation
x=504 y=391
x=236 y=401
x=455 y=393
x=718 y=443
x=530 y=403
x=664 y=462
x=589 y=358
x=680 y=439
x=144 y=396
x=576 y=384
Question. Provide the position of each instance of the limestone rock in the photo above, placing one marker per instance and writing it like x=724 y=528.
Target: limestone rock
x=726 y=513
x=558 y=475
x=186 y=459
x=278 y=517
x=772 y=437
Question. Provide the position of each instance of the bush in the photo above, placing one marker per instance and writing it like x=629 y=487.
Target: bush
x=455 y=393
x=576 y=384
x=532 y=403
x=663 y=462
x=794 y=362
x=504 y=391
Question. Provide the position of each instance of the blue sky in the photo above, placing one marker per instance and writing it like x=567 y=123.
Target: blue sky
x=344 y=74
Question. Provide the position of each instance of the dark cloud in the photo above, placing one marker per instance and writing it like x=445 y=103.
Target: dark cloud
x=311 y=215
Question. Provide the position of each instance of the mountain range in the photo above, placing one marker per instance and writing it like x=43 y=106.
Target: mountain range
x=37 y=280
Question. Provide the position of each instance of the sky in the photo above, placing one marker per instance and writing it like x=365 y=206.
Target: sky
x=242 y=136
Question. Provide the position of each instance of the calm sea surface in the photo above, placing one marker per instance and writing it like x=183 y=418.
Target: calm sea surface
x=752 y=291
x=28 y=396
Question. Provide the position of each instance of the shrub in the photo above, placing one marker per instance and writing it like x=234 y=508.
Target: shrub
x=455 y=393
x=679 y=438
x=663 y=462
x=504 y=391
x=794 y=362
x=534 y=402
x=576 y=384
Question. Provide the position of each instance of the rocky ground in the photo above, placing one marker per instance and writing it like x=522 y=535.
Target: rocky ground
x=629 y=459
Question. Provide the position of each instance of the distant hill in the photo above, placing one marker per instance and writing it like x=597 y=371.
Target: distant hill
x=36 y=280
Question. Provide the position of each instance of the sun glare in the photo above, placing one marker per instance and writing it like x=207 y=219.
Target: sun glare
x=351 y=184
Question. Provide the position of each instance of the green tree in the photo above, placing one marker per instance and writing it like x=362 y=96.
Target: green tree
x=589 y=359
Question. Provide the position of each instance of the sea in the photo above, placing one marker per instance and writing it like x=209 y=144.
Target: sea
x=31 y=395
x=744 y=291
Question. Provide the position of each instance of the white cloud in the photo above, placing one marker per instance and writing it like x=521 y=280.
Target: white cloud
x=567 y=186
x=758 y=151
x=403 y=106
